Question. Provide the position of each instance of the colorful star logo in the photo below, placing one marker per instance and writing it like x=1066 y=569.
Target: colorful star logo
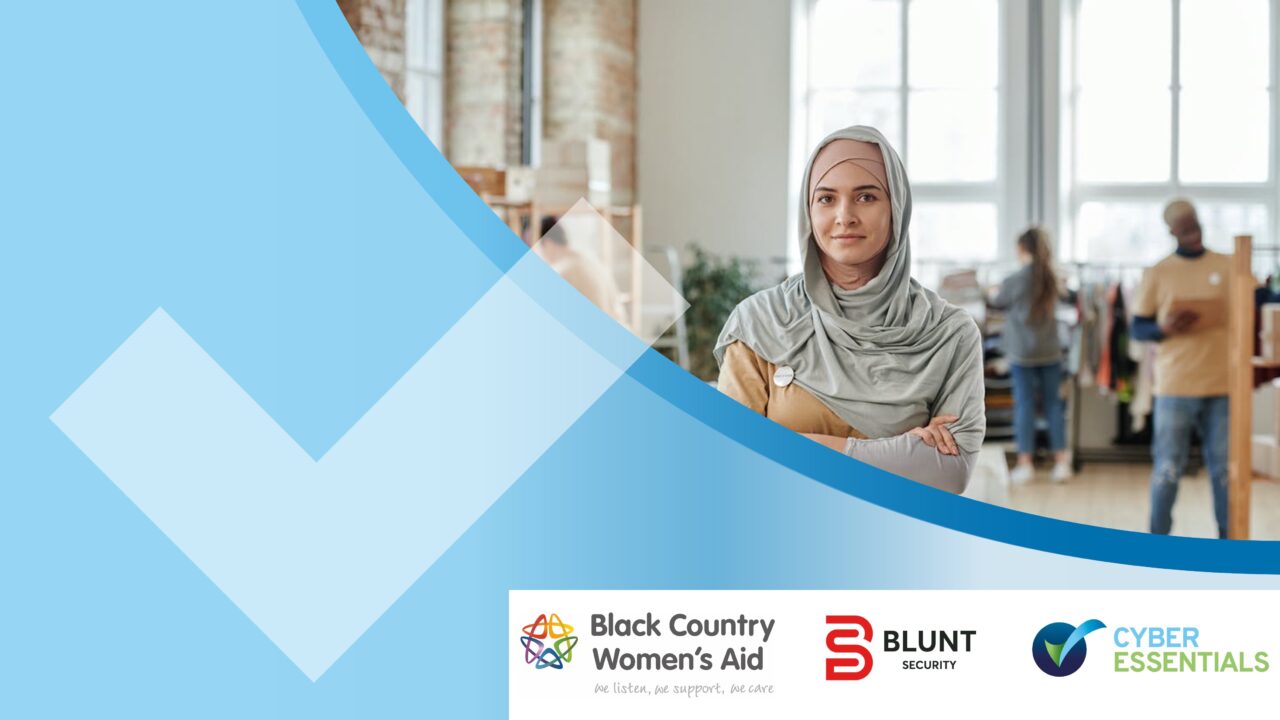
x=548 y=642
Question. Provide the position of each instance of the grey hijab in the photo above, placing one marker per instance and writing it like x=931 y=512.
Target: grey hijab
x=886 y=357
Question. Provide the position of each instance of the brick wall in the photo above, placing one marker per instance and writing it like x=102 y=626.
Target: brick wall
x=482 y=70
x=589 y=79
x=379 y=24
x=589 y=75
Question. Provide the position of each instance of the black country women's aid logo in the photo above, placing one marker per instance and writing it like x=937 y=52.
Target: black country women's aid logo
x=548 y=642
x=1059 y=648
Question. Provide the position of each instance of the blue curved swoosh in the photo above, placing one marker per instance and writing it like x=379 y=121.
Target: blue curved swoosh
x=1077 y=635
x=699 y=401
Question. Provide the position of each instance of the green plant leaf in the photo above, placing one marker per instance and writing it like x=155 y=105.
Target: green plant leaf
x=713 y=287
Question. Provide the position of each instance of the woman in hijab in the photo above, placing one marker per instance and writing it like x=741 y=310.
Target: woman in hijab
x=853 y=352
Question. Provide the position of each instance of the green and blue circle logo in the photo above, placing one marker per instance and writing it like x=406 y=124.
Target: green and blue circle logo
x=1059 y=648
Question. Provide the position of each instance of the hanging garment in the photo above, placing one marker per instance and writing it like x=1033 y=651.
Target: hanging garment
x=1105 y=378
x=1144 y=354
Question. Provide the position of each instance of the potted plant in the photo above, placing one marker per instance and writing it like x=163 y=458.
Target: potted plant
x=713 y=287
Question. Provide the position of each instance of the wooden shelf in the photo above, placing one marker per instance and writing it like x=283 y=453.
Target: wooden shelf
x=516 y=213
x=1265 y=364
x=506 y=202
x=1241 y=363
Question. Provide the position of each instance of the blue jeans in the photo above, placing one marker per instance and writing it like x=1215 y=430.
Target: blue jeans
x=1175 y=417
x=1029 y=381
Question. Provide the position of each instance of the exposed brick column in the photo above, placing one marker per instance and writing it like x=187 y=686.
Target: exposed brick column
x=482 y=67
x=589 y=79
x=379 y=24
x=589 y=75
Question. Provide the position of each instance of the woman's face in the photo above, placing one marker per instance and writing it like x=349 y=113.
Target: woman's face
x=851 y=216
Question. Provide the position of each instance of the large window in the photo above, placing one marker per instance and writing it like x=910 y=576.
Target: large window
x=1084 y=115
x=1167 y=98
x=424 y=66
x=926 y=73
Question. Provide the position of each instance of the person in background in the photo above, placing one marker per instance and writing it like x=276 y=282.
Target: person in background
x=581 y=271
x=1030 y=337
x=1190 y=366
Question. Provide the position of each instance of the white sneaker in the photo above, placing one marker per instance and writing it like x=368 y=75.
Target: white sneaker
x=1061 y=472
x=1021 y=474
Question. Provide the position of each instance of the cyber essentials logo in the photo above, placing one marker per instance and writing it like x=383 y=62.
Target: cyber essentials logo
x=1059 y=648
x=548 y=642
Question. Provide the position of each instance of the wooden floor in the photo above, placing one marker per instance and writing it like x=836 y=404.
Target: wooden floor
x=1117 y=496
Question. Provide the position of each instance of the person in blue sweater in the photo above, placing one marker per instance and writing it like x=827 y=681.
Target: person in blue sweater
x=1030 y=343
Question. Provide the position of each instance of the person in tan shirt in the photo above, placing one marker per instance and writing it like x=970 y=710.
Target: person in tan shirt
x=1190 y=365
x=583 y=272
x=853 y=352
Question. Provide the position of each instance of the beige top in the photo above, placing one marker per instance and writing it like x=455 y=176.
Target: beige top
x=748 y=378
x=592 y=280
x=1194 y=363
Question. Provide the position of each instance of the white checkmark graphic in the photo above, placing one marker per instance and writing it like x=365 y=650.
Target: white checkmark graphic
x=314 y=552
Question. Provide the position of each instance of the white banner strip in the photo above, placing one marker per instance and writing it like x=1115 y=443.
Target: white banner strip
x=771 y=654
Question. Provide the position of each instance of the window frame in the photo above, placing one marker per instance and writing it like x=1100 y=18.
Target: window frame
x=1007 y=191
x=431 y=15
x=1067 y=194
x=1036 y=139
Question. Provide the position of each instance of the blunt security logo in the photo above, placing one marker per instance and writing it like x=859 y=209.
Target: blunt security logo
x=1059 y=649
x=548 y=642
x=910 y=649
x=849 y=640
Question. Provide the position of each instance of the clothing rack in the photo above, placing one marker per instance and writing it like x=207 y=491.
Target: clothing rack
x=1106 y=272
x=1075 y=274
x=1109 y=269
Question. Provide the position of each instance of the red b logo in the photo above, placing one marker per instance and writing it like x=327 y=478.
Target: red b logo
x=857 y=661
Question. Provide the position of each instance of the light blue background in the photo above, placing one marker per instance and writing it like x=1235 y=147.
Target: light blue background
x=242 y=165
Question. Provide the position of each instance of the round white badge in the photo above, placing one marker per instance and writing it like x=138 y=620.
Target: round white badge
x=1214 y=278
x=783 y=376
